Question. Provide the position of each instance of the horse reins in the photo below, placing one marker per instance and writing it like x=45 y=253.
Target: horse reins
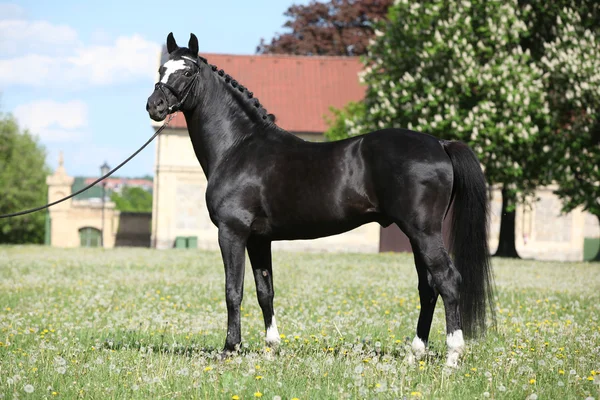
x=97 y=180
x=159 y=86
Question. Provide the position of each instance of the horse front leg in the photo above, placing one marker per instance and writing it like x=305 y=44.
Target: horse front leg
x=259 y=252
x=232 y=243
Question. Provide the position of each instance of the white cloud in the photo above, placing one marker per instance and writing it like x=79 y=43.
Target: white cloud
x=40 y=54
x=38 y=37
x=53 y=121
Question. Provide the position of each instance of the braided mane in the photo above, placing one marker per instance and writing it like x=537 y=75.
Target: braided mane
x=235 y=84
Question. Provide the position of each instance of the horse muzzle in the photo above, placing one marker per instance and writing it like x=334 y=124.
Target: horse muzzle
x=157 y=107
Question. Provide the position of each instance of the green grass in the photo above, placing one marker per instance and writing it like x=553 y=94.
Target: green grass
x=147 y=324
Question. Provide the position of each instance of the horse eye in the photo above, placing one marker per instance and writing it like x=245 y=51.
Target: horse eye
x=188 y=73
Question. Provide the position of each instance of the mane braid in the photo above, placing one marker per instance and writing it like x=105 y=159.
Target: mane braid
x=236 y=85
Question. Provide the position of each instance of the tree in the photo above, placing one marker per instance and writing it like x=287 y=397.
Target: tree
x=457 y=70
x=132 y=199
x=572 y=62
x=23 y=173
x=338 y=27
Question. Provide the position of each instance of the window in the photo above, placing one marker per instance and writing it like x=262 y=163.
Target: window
x=89 y=237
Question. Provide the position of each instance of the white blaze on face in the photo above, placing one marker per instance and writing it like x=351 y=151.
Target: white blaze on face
x=272 y=336
x=170 y=67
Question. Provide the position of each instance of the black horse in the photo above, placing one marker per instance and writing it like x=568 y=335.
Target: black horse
x=266 y=184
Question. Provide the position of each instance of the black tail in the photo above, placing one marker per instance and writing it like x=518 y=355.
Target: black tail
x=469 y=238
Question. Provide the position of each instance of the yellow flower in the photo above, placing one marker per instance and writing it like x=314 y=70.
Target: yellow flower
x=295 y=398
x=590 y=378
x=415 y=394
x=207 y=369
x=257 y=394
x=473 y=369
x=235 y=397
x=258 y=377
x=532 y=381
x=560 y=371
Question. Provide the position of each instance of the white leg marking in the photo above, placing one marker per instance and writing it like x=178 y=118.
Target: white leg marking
x=456 y=346
x=272 y=337
x=418 y=350
x=418 y=347
x=172 y=66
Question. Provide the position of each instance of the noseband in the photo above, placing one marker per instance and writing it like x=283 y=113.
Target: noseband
x=181 y=96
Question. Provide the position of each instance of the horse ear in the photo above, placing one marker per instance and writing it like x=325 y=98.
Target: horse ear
x=171 y=44
x=193 y=44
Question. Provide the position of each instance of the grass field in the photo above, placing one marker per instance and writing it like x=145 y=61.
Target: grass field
x=147 y=324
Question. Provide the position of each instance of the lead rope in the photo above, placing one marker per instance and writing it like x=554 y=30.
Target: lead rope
x=97 y=180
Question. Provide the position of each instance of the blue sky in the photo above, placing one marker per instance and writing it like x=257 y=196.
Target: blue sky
x=78 y=73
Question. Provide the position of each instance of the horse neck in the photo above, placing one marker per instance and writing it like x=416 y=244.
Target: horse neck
x=218 y=122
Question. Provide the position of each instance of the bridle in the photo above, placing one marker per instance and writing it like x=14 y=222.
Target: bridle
x=183 y=95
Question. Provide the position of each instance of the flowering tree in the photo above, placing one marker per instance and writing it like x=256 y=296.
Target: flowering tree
x=572 y=62
x=456 y=69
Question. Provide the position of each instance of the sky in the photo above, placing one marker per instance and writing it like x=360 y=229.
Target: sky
x=78 y=73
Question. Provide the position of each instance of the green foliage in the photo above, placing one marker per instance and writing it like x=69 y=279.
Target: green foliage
x=572 y=64
x=133 y=199
x=23 y=173
x=342 y=121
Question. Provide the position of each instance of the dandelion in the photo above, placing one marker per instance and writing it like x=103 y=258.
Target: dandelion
x=28 y=388
x=235 y=397
x=258 y=394
x=532 y=381
x=258 y=377
x=415 y=394
x=206 y=369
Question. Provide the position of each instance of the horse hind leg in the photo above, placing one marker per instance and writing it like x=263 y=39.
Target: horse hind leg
x=443 y=278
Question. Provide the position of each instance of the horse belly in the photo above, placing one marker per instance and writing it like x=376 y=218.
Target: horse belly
x=314 y=221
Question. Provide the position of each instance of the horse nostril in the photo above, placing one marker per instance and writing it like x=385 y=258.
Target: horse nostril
x=160 y=105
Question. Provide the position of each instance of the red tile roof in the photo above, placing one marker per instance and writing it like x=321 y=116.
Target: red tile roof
x=298 y=89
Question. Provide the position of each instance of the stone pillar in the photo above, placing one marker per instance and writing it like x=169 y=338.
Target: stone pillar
x=59 y=186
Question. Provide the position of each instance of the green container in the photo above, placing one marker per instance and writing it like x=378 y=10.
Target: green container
x=180 y=242
x=192 y=242
x=590 y=248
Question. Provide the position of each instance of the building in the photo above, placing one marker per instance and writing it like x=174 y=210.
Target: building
x=299 y=90
x=85 y=220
